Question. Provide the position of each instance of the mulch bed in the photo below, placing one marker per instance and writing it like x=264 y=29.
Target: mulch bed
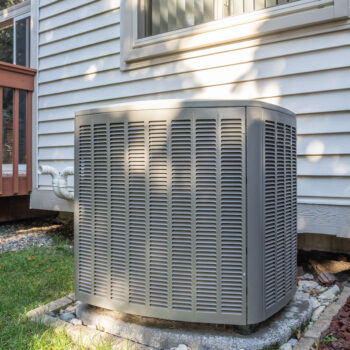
x=339 y=329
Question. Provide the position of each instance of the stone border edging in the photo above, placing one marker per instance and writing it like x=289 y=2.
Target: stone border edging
x=81 y=335
x=314 y=333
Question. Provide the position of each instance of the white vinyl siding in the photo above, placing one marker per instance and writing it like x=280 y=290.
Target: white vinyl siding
x=305 y=70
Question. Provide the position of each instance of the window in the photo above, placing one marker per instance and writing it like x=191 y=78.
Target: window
x=161 y=16
x=15 y=34
x=156 y=31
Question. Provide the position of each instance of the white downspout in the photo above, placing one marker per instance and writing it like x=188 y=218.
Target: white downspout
x=59 y=180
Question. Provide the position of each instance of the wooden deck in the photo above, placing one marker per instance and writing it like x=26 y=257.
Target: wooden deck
x=16 y=181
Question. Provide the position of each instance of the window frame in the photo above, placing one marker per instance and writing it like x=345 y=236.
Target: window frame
x=144 y=27
x=142 y=52
x=16 y=13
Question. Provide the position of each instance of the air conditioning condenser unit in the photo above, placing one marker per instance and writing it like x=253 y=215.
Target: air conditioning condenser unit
x=186 y=210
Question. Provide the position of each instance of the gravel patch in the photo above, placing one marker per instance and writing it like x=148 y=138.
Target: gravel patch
x=26 y=234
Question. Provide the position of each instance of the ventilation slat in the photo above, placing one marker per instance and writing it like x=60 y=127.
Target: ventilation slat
x=137 y=218
x=181 y=187
x=231 y=205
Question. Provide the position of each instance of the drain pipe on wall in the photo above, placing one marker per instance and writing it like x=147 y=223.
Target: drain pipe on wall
x=59 y=180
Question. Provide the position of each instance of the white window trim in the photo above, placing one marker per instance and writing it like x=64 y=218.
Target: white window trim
x=16 y=13
x=139 y=52
x=23 y=8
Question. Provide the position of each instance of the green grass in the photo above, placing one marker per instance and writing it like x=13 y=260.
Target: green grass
x=28 y=279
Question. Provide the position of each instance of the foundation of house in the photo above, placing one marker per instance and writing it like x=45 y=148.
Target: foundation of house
x=18 y=208
x=323 y=243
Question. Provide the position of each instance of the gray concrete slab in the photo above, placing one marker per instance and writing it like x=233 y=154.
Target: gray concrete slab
x=162 y=334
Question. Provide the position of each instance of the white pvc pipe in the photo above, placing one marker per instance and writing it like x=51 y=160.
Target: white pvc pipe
x=59 y=180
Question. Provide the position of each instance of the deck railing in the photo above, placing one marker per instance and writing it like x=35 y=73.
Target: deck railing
x=16 y=88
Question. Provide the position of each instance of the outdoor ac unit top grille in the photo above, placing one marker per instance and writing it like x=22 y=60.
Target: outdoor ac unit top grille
x=161 y=212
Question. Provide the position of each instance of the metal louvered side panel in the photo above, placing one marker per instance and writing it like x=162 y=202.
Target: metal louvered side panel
x=294 y=206
x=289 y=208
x=181 y=210
x=281 y=206
x=101 y=273
x=137 y=215
x=280 y=212
x=85 y=211
x=232 y=216
x=158 y=213
x=118 y=212
x=270 y=212
x=206 y=219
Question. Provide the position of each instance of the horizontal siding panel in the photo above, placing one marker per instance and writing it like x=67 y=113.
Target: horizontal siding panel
x=300 y=104
x=52 y=127
x=77 y=28
x=277 y=67
x=77 y=42
x=324 y=165
x=79 y=69
x=43 y=3
x=324 y=144
x=56 y=140
x=335 y=122
x=46 y=180
x=328 y=101
x=324 y=187
x=80 y=55
x=62 y=6
x=66 y=152
x=86 y=81
x=291 y=85
x=67 y=112
x=90 y=10
x=60 y=165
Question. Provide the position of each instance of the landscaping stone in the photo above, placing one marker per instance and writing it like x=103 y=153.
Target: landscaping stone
x=314 y=303
x=330 y=294
x=75 y=321
x=307 y=286
x=307 y=276
x=286 y=346
x=293 y=342
x=180 y=347
x=71 y=308
x=68 y=316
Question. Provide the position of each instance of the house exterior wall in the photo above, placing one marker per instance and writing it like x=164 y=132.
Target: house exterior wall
x=305 y=70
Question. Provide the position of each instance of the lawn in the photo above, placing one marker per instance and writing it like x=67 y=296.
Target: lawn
x=28 y=279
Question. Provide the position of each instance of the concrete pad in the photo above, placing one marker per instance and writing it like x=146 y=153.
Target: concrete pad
x=164 y=334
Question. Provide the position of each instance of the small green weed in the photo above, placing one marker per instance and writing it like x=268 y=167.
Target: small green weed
x=328 y=338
